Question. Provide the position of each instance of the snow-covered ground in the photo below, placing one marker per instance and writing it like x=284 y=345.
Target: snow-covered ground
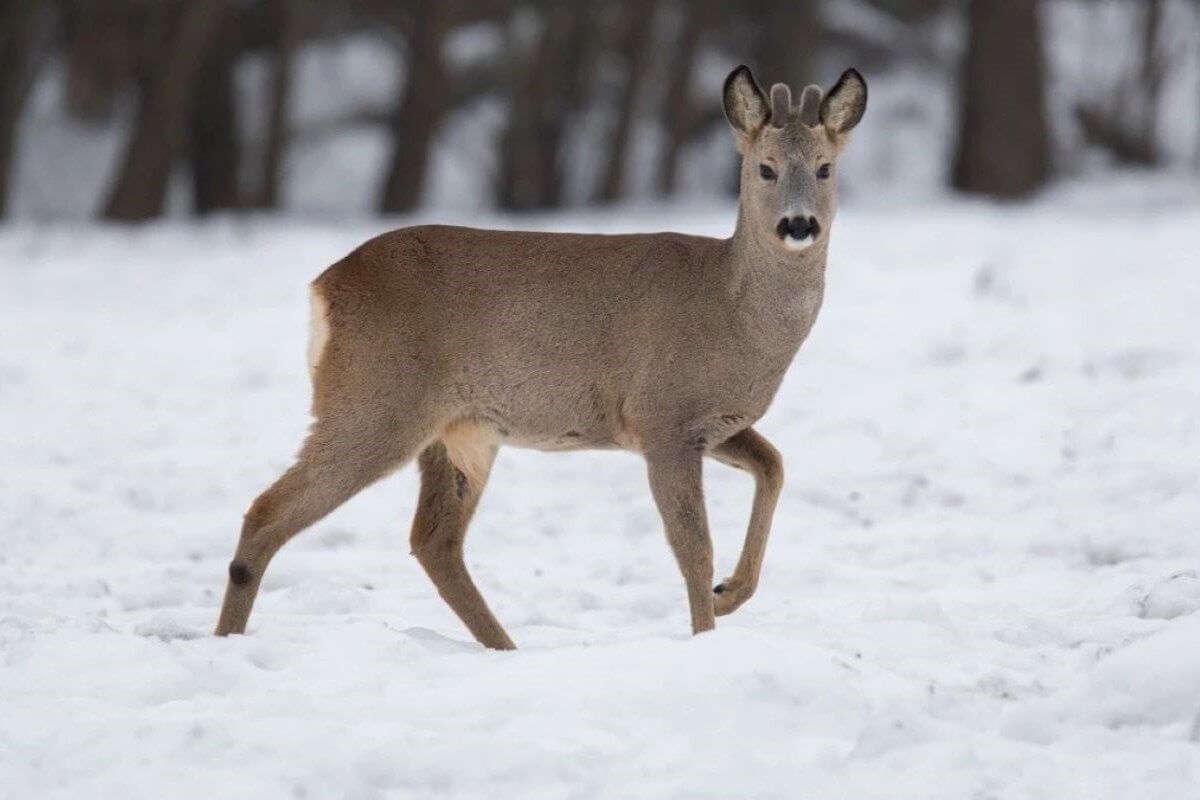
x=983 y=581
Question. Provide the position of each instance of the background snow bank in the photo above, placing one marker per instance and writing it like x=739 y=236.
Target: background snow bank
x=981 y=582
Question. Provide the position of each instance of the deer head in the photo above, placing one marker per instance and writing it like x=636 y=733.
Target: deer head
x=789 y=154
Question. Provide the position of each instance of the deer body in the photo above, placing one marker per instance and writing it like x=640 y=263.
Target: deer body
x=443 y=343
x=564 y=341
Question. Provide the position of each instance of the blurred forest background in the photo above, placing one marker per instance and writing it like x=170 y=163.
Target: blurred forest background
x=135 y=109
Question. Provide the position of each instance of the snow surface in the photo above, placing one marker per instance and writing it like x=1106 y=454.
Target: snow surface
x=983 y=580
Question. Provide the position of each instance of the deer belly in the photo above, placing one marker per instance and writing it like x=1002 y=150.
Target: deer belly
x=570 y=438
x=557 y=432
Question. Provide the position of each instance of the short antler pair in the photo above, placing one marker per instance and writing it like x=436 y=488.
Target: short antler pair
x=781 y=105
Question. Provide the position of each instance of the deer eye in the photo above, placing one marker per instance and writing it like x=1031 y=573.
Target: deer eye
x=767 y=173
x=823 y=171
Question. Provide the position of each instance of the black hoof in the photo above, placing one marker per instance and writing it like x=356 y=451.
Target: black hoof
x=719 y=589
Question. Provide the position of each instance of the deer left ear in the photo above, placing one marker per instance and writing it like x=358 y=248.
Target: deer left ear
x=843 y=107
x=745 y=106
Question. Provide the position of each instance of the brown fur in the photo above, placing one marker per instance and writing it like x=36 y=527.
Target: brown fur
x=444 y=343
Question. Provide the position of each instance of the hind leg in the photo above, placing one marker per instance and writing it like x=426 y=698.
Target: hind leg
x=340 y=457
x=454 y=471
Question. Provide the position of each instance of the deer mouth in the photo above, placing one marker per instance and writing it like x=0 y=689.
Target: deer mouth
x=793 y=243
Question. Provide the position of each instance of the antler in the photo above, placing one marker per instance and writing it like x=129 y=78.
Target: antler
x=810 y=105
x=781 y=104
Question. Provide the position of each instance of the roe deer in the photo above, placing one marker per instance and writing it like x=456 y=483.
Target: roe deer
x=443 y=343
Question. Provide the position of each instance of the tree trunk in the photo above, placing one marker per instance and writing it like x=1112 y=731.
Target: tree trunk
x=540 y=89
x=214 y=140
x=287 y=27
x=1127 y=125
x=140 y=189
x=636 y=45
x=100 y=55
x=678 y=111
x=1153 y=71
x=791 y=35
x=418 y=114
x=17 y=24
x=1003 y=143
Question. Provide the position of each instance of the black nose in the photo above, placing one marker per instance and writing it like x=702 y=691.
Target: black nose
x=798 y=227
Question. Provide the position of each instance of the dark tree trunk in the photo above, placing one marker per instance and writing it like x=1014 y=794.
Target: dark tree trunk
x=539 y=102
x=1127 y=125
x=678 y=111
x=17 y=25
x=637 y=41
x=790 y=37
x=1003 y=144
x=417 y=116
x=287 y=29
x=1153 y=72
x=101 y=52
x=140 y=188
x=215 y=145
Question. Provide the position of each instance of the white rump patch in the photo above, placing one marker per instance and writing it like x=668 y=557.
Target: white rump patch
x=318 y=329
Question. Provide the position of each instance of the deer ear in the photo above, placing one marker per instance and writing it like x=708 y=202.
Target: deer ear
x=745 y=105
x=843 y=107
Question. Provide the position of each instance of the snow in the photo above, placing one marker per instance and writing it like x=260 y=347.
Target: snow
x=982 y=580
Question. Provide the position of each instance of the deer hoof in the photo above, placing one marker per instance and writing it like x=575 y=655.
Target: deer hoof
x=728 y=596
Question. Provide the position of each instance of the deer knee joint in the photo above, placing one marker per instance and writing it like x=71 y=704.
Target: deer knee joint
x=771 y=472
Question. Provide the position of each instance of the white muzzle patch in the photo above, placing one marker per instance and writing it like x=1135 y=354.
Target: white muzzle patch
x=792 y=243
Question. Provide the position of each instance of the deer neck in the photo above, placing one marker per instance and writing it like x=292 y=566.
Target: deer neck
x=776 y=282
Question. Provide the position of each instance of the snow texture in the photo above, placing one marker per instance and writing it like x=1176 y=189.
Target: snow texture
x=983 y=579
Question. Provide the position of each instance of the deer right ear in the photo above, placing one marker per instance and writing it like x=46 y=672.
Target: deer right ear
x=843 y=107
x=746 y=106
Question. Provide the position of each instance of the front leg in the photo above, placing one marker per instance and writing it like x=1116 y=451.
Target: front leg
x=675 y=481
x=748 y=450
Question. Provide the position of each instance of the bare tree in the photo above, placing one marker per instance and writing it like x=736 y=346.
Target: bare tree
x=140 y=188
x=541 y=85
x=680 y=115
x=790 y=32
x=1124 y=120
x=420 y=111
x=100 y=54
x=18 y=21
x=287 y=25
x=1003 y=143
x=1153 y=72
x=214 y=142
x=636 y=43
